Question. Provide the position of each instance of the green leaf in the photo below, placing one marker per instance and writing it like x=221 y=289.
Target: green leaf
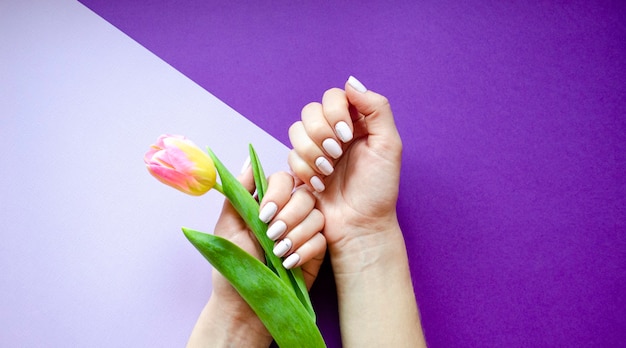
x=260 y=182
x=299 y=286
x=259 y=176
x=271 y=299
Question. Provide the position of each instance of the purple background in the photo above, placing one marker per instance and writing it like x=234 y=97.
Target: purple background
x=513 y=118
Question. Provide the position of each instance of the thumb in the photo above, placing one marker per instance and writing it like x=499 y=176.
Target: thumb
x=229 y=217
x=246 y=178
x=374 y=112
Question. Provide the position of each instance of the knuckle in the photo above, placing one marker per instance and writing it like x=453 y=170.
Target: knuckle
x=335 y=111
x=309 y=109
x=316 y=129
x=317 y=214
x=383 y=101
x=283 y=176
x=297 y=165
x=333 y=92
x=295 y=127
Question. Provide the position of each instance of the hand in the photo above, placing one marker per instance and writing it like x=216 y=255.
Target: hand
x=227 y=319
x=347 y=148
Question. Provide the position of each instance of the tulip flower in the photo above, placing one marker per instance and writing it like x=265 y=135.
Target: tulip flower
x=277 y=295
x=177 y=162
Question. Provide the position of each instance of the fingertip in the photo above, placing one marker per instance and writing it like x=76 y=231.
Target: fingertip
x=304 y=172
x=280 y=185
x=356 y=84
x=343 y=131
x=310 y=252
x=317 y=184
x=366 y=101
x=246 y=178
x=291 y=261
x=374 y=109
x=245 y=165
x=268 y=212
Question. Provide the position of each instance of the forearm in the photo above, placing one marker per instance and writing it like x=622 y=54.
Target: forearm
x=377 y=304
x=219 y=326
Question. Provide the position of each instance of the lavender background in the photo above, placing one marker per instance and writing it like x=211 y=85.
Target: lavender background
x=91 y=251
x=514 y=122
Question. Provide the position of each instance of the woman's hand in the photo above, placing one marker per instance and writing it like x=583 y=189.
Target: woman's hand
x=295 y=225
x=348 y=150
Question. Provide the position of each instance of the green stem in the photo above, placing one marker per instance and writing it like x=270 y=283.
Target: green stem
x=217 y=187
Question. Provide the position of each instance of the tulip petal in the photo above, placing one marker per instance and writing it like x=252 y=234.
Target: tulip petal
x=170 y=177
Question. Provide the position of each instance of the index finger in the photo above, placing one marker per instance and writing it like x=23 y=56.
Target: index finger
x=336 y=109
x=280 y=185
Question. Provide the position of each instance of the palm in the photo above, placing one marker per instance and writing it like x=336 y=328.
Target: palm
x=362 y=188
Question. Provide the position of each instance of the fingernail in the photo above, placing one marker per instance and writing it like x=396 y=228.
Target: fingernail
x=291 y=261
x=324 y=166
x=268 y=211
x=343 y=131
x=332 y=147
x=282 y=247
x=245 y=165
x=356 y=84
x=276 y=230
x=317 y=184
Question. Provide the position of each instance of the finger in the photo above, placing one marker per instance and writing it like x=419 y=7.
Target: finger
x=246 y=178
x=375 y=112
x=312 y=251
x=279 y=188
x=308 y=150
x=294 y=212
x=336 y=111
x=301 y=233
x=317 y=128
x=311 y=269
x=304 y=172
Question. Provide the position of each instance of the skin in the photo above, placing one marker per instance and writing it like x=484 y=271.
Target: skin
x=377 y=304
x=227 y=320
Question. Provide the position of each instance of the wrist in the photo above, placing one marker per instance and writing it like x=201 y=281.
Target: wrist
x=377 y=305
x=368 y=248
x=222 y=324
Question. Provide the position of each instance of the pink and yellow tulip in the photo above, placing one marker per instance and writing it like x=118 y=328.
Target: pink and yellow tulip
x=177 y=162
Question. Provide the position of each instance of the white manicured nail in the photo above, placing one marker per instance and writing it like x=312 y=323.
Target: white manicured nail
x=332 y=147
x=245 y=165
x=282 y=247
x=291 y=261
x=268 y=211
x=324 y=166
x=317 y=184
x=276 y=230
x=343 y=131
x=356 y=84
